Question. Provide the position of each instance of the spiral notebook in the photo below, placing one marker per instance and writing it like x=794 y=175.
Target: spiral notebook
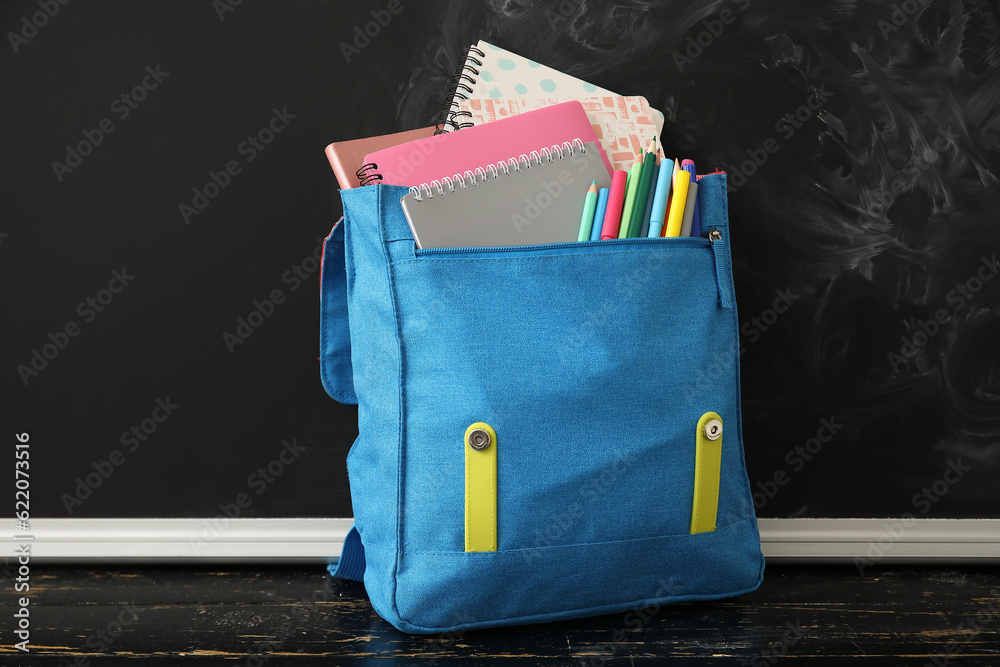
x=488 y=71
x=425 y=160
x=347 y=157
x=623 y=125
x=520 y=201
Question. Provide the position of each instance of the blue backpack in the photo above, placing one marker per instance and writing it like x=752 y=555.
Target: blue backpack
x=546 y=432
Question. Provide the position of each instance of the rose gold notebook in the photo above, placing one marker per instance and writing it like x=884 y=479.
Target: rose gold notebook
x=348 y=157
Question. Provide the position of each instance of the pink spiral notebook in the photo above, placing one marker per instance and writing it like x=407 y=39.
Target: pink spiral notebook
x=445 y=155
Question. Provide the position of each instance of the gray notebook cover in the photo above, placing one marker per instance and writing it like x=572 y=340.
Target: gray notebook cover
x=538 y=201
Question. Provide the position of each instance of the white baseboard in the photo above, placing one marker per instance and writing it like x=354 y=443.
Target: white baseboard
x=320 y=540
x=182 y=540
x=880 y=540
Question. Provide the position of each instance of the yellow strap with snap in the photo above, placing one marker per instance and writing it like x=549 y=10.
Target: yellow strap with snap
x=707 y=466
x=480 y=488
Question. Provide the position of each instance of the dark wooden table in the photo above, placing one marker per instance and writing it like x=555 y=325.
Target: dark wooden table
x=816 y=615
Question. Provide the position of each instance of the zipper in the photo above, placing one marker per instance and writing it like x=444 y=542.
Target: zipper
x=719 y=255
x=554 y=246
x=714 y=240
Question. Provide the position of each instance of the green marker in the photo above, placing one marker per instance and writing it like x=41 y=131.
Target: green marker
x=642 y=193
x=633 y=185
x=589 y=206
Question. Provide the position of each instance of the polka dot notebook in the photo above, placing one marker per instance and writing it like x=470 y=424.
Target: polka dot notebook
x=623 y=125
x=490 y=72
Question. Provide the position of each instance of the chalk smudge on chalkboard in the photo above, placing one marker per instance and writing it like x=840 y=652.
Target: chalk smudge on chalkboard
x=861 y=143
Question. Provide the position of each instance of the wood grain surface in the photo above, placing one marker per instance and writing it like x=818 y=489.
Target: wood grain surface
x=818 y=615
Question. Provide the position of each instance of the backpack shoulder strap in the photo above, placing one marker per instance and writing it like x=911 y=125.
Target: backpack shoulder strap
x=335 y=332
x=352 y=558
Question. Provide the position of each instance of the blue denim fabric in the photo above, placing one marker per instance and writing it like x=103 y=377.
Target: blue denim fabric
x=593 y=362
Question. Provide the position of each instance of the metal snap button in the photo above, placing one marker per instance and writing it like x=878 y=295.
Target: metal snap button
x=713 y=429
x=479 y=440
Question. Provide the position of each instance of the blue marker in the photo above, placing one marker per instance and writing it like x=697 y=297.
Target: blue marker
x=688 y=166
x=658 y=211
x=602 y=207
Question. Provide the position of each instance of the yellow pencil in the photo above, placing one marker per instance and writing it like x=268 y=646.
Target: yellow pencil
x=675 y=217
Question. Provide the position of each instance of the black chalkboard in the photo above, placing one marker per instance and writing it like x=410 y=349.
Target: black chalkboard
x=165 y=160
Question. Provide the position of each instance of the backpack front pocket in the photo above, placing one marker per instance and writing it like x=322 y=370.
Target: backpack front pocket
x=590 y=362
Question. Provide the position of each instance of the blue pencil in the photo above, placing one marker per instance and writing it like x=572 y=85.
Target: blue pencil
x=602 y=208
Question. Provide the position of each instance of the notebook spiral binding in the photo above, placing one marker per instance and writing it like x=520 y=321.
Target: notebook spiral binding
x=367 y=174
x=482 y=174
x=461 y=84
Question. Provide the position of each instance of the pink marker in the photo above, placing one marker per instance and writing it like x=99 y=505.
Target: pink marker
x=616 y=200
